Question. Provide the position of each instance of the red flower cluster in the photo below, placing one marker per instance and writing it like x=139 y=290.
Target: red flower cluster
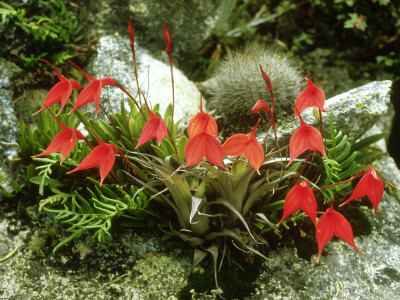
x=203 y=131
x=203 y=142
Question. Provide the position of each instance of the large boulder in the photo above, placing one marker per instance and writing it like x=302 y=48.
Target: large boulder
x=8 y=125
x=342 y=272
x=114 y=59
x=354 y=112
x=190 y=23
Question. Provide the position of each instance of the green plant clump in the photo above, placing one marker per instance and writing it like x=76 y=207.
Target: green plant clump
x=150 y=176
x=40 y=29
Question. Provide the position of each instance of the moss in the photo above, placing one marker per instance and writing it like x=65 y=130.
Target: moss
x=3 y=179
x=360 y=106
x=159 y=275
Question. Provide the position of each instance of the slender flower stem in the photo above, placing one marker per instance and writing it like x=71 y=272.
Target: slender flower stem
x=341 y=182
x=133 y=99
x=173 y=93
x=305 y=163
x=108 y=116
x=131 y=166
x=136 y=74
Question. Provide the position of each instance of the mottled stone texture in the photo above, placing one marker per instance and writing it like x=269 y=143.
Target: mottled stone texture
x=114 y=59
x=354 y=112
x=342 y=272
x=190 y=23
x=8 y=124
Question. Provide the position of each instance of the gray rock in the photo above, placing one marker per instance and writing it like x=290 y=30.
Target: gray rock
x=8 y=125
x=114 y=59
x=134 y=266
x=189 y=22
x=9 y=71
x=342 y=272
x=354 y=112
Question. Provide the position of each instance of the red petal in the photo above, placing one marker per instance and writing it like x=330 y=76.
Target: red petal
x=131 y=33
x=59 y=143
x=213 y=150
x=202 y=122
x=62 y=90
x=93 y=159
x=324 y=232
x=260 y=104
x=106 y=164
x=68 y=146
x=90 y=93
x=266 y=79
x=75 y=84
x=107 y=81
x=167 y=38
x=255 y=154
x=154 y=128
x=292 y=203
x=301 y=196
x=333 y=223
x=235 y=145
x=310 y=96
x=315 y=141
x=306 y=137
x=342 y=229
x=65 y=97
x=194 y=150
x=202 y=145
x=370 y=185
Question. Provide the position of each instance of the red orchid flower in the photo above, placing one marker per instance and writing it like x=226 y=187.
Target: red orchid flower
x=260 y=104
x=333 y=223
x=246 y=145
x=131 y=33
x=269 y=86
x=103 y=155
x=310 y=96
x=154 y=128
x=64 y=142
x=167 y=38
x=60 y=92
x=371 y=185
x=203 y=144
x=305 y=137
x=92 y=91
x=300 y=196
x=202 y=122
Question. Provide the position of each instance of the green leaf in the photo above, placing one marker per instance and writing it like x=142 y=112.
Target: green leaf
x=367 y=141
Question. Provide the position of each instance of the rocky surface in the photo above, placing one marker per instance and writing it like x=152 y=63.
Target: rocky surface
x=343 y=273
x=114 y=59
x=190 y=23
x=134 y=266
x=8 y=124
x=354 y=112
